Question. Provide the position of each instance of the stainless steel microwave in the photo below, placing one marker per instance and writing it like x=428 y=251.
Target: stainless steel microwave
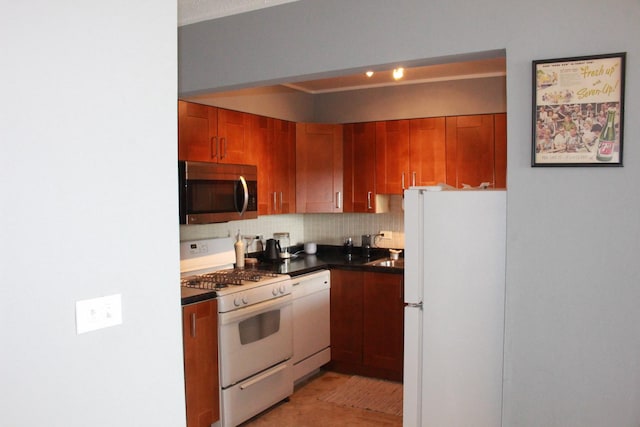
x=217 y=192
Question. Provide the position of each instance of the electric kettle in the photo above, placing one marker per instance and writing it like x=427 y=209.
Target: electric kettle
x=272 y=250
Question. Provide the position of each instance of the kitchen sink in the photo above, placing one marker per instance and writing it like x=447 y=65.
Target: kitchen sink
x=387 y=262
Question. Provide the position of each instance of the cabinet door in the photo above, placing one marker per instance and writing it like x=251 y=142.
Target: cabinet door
x=360 y=167
x=261 y=135
x=470 y=150
x=197 y=132
x=200 y=341
x=500 y=125
x=427 y=151
x=392 y=156
x=383 y=321
x=233 y=138
x=318 y=168
x=283 y=168
x=346 y=316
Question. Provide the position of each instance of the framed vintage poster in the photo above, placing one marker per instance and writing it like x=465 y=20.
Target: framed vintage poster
x=578 y=108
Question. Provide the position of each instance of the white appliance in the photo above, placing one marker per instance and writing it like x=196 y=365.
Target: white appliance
x=255 y=327
x=454 y=313
x=311 y=323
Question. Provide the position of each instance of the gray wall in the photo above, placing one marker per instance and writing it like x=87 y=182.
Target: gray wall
x=456 y=97
x=572 y=322
x=88 y=184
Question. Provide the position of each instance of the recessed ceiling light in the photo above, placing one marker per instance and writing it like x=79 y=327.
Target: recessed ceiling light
x=398 y=73
x=369 y=73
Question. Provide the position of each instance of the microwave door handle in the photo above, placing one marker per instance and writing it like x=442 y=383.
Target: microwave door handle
x=245 y=198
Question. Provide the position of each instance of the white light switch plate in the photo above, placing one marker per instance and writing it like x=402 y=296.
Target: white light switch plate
x=98 y=313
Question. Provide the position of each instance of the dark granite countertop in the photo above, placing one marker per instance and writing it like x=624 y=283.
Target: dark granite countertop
x=327 y=257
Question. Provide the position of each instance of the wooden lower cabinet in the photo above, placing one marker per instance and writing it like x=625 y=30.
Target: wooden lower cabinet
x=367 y=323
x=200 y=344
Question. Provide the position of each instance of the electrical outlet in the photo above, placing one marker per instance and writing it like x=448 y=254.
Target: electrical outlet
x=98 y=313
x=386 y=235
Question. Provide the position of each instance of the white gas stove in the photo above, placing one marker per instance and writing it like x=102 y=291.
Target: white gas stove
x=208 y=264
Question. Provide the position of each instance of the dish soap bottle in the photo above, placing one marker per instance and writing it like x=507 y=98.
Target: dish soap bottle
x=239 y=247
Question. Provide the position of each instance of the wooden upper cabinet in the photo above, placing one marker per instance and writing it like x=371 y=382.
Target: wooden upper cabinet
x=261 y=135
x=392 y=156
x=410 y=152
x=470 y=150
x=427 y=151
x=210 y=134
x=360 y=168
x=283 y=168
x=233 y=138
x=500 y=132
x=319 y=168
x=277 y=169
x=197 y=132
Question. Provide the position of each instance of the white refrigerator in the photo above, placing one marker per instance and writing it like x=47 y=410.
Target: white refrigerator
x=454 y=314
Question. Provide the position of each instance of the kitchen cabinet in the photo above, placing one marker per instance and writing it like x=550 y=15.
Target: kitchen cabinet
x=383 y=321
x=360 y=170
x=197 y=132
x=261 y=134
x=319 y=168
x=367 y=323
x=234 y=143
x=200 y=345
x=211 y=134
x=410 y=152
x=476 y=150
x=281 y=169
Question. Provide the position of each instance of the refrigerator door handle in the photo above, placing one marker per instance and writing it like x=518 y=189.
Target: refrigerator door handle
x=415 y=305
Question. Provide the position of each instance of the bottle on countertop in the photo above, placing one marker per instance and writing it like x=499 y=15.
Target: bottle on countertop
x=348 y=247
x=239 y=248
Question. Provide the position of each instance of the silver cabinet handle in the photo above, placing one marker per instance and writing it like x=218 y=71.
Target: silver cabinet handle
x=369 y=200
x=214 y=147
x=275 y=202
x=403 y=180
x=413 y=179
x=338 y=199
x=281 y=201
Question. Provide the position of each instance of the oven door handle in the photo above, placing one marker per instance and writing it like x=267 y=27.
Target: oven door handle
x=263 y=376
x=246 y=312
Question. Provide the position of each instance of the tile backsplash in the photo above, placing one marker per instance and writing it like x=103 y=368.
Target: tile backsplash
x=328 y=229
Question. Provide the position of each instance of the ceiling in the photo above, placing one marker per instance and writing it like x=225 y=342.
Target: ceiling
x=192 y=11
x=421 y=74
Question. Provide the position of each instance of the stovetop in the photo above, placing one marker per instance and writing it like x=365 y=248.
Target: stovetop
x=222 y=279
x=208 y=265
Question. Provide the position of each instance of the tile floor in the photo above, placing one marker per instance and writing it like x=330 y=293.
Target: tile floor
x=304 y=409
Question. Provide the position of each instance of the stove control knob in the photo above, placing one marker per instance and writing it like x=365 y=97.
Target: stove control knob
x=237 y=301
x=283 y=289
x=274 y=291
x=245 y=300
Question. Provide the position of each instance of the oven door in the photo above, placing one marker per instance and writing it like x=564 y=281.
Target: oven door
x=254 y=338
